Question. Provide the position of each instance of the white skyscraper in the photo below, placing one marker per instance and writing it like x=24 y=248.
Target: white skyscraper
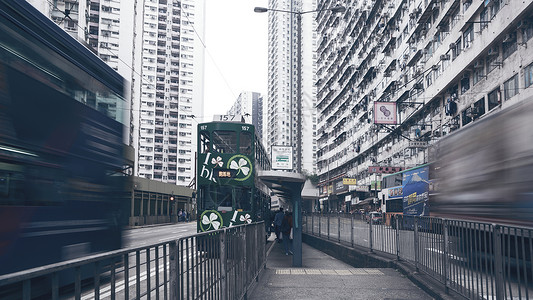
x=166 y=93
x=154 y=44
x=282 y=109
x=249 y=104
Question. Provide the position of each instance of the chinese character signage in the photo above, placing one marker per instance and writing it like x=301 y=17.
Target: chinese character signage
x=349 y=181
x=383 y=170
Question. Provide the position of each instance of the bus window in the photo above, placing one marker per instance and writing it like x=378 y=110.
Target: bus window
x=223 y=198
x=243 y=198
x=224 y=141
x=204 y=142
x=245 y=146
x=207 y=202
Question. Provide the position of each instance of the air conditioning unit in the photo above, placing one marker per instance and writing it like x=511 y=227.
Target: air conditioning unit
x=445 y=57
x=435 y=67
x=452 y=46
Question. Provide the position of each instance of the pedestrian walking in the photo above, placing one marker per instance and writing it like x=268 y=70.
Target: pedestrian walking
x=278 y=219
x=286 y=228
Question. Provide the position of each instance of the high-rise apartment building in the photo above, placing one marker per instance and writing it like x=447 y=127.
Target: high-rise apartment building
x=163 y=90
x=250 y=105
x=155 y=45
x=441 y=64
x=282 y=107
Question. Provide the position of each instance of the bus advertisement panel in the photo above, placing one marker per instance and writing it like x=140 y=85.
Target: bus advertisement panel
x=416 y=191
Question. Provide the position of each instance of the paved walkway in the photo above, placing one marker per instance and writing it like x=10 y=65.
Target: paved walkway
x=324 y=277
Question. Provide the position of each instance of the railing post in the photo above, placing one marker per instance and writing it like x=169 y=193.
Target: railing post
x=370 y=236
x=498 y=262
x=173 y=254
x=313 y=224
x=328 y=224
x=339 y=227
x=397 y=221
x=351 y=230
x=446 y=251
x=223 y=266
x=320 y=225
x=245 y=260
x=417 y=253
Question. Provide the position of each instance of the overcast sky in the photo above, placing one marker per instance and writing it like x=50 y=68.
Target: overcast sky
x=236 y=53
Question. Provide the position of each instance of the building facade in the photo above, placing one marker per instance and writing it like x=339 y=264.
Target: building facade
x=250 y=105
x=168 y=65
x=281 y=115
x=162 y=57
x=440 y=64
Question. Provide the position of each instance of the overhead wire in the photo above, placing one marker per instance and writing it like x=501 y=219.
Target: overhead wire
x=133 y=70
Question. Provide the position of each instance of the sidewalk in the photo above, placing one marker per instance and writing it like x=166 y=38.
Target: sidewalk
x=324 y=277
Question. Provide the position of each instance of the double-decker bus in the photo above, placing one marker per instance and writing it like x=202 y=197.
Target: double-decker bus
x=228 y=190
x=61 y=144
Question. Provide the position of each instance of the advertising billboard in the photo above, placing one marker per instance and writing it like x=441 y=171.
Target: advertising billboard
x=415 y=186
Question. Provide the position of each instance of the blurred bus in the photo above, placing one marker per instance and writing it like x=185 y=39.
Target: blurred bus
x=61 y=144
x=484 y=170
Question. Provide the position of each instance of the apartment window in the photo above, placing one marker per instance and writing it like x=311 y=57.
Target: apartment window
x=494 y=98
x=528 y=75
x=429 y=79
x=468 y=36
x=509 y=45
x=492 y=59
x=479 y=71
x=484 y=19
x=465 y=83
x=511 y=87
x=494 y=8
x=456 y=49
x=466 y=117
x=527 y=33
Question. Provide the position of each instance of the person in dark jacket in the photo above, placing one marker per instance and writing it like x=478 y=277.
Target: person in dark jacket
x=278 y=218
x=286 y=227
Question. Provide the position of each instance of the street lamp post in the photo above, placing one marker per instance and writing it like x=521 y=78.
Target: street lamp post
x=297 y=206
x=336 y=9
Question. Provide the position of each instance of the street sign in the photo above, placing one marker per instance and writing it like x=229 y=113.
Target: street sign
x=281 y=157
x=418 y=144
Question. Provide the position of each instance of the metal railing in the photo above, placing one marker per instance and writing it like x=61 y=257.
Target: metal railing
x=219 y=264
x=476 y=260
